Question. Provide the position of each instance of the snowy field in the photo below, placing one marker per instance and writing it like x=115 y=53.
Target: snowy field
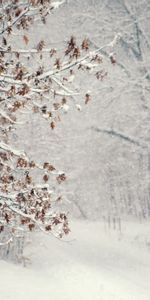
x=97 y=264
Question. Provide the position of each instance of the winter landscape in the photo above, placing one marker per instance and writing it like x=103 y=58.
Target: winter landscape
x=74 y=150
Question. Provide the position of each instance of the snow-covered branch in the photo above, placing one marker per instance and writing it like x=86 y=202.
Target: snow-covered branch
x=25 y=51
x=12 y=150
x=16 y=20
x=7 y=242
x=72 y=64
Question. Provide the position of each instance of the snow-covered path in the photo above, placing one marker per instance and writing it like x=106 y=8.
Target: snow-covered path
x=94 y=266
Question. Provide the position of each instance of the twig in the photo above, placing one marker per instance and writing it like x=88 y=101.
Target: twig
x=72 y=64
x=122 y=136
x=12 y=150
x=15 y=21
x=7 y=242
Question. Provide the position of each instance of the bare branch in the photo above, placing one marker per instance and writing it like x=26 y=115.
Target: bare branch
x=122 y=136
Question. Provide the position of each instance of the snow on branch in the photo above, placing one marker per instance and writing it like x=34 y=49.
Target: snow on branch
x=25 y=51
x=10 y=25
x=72 y=64
x=4 y=115
x=12 y=150
x=7 y=242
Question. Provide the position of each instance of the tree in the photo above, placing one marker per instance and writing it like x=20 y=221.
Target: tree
x=27 y=85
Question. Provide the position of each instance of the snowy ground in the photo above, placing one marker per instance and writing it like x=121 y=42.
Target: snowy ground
x=97 y=264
